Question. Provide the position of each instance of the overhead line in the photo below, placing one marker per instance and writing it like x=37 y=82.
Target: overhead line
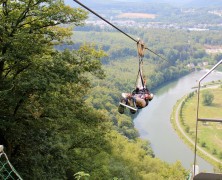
x=116 y=27
x=104 y=20
x=155 y=53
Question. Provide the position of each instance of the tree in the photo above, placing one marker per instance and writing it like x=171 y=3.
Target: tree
x=81 y=175
x=45 y=124
x=28 y=31
x=208 y=98
x=42 y=91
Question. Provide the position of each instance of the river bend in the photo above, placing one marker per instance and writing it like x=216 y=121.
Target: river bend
x=153 y=122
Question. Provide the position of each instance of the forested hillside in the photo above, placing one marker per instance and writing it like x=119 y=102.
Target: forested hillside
x=47 y=125
x=179 y=48
x=59 y=92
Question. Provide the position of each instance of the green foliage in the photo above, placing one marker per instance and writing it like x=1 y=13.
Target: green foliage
x=210 y=133
x=218 y=168
x=81 y=175
x=42 y=91
x=28 y=31
x=203 y=144
x=187 y=129
x=55 y=117
x=220 y=155
x=190 y=95
x=208 y=98
x=50 y=115
x=214 y=151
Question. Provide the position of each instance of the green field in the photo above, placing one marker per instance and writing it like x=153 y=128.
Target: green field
x=209 y=134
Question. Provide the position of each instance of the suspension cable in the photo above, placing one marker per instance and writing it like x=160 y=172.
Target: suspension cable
x=116 y=27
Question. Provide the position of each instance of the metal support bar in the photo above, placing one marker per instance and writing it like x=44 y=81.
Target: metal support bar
x=220 y=62
x=197 y=114
x=209 y=120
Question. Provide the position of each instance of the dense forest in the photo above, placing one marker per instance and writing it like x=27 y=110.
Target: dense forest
x=179 y=48
x=58 y=113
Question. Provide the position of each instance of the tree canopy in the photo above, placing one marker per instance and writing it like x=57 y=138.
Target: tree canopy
x=47 y=125
x=208 y=98
x=27 y=31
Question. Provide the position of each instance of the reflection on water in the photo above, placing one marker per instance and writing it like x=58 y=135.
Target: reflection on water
x=153 y=122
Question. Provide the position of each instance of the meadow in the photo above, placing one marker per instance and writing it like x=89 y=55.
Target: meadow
x=209 y=133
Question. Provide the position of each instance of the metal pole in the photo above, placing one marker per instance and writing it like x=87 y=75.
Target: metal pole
x=197 y=115
x=198 y=101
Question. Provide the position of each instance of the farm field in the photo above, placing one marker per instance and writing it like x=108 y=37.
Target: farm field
x=213 y=49
x=137 y=15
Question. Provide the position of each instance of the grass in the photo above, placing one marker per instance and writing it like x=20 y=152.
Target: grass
x=209 y=134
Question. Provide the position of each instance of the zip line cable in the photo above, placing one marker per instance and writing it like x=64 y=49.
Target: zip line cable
x=116 y=27
x=104 y=20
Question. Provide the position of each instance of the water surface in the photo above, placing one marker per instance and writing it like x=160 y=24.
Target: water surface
x=153 y=122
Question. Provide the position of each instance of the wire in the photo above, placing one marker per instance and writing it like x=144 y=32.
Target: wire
x=116 y=27
x=104 y=20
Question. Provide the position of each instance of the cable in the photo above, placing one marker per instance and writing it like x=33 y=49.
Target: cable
x=155 y=53
x=116 y=27
x=104 y=20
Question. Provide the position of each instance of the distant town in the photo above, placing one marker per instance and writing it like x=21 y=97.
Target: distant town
x=159 y=25
x=122 y=20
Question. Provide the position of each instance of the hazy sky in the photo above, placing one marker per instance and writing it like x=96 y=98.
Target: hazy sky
x=197 y=3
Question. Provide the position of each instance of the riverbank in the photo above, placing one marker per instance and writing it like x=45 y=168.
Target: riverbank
x=188 y=135
x=153 y=122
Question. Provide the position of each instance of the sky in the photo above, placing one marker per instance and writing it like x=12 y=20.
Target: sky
x=180 y=3
x=148 y=1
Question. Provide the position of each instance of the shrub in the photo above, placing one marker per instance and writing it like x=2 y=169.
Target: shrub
x=208 y=98
x=203 y=144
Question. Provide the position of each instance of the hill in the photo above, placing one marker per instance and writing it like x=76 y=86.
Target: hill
x=186 y=14
x=204 y=3
x=183 y=3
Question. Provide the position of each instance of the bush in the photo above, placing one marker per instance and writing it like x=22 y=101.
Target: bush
x=208 y=98
x=187 y=129
x=220 y=155
x=203 y=144
x=214 y=151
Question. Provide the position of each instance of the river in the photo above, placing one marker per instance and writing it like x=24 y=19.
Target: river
x=153 y=122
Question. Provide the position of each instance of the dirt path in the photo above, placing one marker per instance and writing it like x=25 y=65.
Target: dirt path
x=188 y=138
